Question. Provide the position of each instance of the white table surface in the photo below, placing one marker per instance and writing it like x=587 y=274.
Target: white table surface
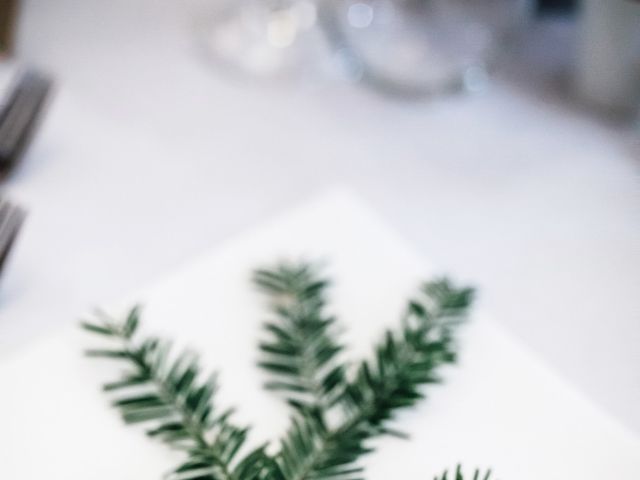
x=150 y=155
x=497 y=406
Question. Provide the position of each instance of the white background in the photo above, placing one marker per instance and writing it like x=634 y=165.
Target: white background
x=150 y=155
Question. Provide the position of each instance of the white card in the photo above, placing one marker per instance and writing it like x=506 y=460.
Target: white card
x=499 y=407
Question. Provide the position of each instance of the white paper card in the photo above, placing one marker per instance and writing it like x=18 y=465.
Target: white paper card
x=499 y=407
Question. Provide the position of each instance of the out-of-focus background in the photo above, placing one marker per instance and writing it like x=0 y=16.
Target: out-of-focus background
x=500 y=136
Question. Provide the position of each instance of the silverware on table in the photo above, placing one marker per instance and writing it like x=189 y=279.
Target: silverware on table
x=20 y=112
x=11 y=218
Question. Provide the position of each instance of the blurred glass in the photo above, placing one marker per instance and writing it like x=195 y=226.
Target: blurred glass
x=401 y=47
x=422 y=47
x=264 y=38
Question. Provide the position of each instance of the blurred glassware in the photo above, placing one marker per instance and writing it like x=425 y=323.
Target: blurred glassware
x=401 y=47
x=264 y=38
x=422 y=47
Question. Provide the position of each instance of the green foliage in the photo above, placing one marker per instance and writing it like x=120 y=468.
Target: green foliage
x=336 y=410
x=458 y=475
x=404 y=361
x=168 y=394
x=301 y=348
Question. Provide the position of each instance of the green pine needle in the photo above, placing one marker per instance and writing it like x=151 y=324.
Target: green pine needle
x=404 y=362
x=336 y=409
x=458 y=475
x=168 y=393
x=301 y=349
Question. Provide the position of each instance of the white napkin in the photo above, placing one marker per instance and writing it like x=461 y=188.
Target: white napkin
x=499 y=407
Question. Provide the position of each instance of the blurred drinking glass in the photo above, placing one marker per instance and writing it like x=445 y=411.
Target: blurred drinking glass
x=263 y=38
x=403 y=47
x=422 y=47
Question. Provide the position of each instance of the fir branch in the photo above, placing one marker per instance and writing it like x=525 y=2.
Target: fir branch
x=405 y=361
x=301 y=349
x=168 y=394
x=458 y=475
x=301 y=355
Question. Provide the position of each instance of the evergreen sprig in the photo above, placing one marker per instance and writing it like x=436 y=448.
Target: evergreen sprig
x=168 y=393
x=404 y=361
x=301 y=349
x=336 y=409
x=458 y=475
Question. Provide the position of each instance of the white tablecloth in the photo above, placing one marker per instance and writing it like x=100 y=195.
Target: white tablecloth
x=150 y=155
